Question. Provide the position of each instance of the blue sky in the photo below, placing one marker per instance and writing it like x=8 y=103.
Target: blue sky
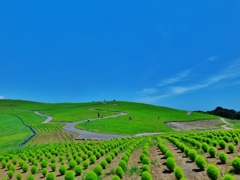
x=179 y=54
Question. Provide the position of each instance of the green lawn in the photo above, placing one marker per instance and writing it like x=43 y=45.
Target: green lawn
x=12 y=132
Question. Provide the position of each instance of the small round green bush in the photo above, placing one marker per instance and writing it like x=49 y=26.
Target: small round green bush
x=125 y=158
x=53 y=166
x=98 y=170
x=215 y=143
x=236 y=164
x=119 y=171
x=25 y=167
x=223 y=157
x=200 y=162
x=222 y=144
x=170 y=163
x=30 y=177
x=4 y=163
x=204 y=147
x=50 y=176
x=104 y=164
x=62 y=169
x=93 y=159
x=192 y=155
x=169 y=154
x=78 y=160
x=146 y=176
x=228 y=177
x=146 y=167
x=236 y=140
x=84 y=156
x=19 y=176
x=44 y=163
x=33 y=169
x=109 y=158
x=213 y=172
x=78 y=170
x=69 y=175
x=146 y=160
x=72 y=164
x=186 y=151
x=212 y=152
x=142 y=155
x=10 y=174
x=123 y=164
x=44 y=172
x=115 y=177
x=231 y=148
x=86 y=164
x=178 y=172
x=91 y=176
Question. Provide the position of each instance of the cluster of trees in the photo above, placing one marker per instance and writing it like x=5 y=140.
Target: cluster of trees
x=227 y=113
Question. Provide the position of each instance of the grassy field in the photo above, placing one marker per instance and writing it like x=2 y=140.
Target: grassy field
x=12 y=132
x=144 y=119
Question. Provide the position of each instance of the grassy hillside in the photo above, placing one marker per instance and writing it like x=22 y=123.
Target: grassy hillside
x=144 y=119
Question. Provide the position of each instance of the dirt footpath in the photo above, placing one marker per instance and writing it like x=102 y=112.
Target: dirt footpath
x=199 y=124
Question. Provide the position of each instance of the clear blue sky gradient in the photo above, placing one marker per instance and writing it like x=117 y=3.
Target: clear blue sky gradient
x=179 y=54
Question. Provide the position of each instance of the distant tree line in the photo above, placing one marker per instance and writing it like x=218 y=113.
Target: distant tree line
x=227 y=113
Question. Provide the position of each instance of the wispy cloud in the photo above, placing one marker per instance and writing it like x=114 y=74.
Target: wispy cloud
x=147 y=91
x=175 y=79
x=227 y=77
x=212 y=58
x=1 y=97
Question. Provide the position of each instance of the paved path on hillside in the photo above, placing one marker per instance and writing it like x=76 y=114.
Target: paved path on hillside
x=226 y=124
x=49 y=118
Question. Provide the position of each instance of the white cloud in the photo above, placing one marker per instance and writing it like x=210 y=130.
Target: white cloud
x=175 y=79
x=152 y=99
x=1 y=97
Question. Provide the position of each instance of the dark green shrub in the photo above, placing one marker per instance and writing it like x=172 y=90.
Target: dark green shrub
x=146 y=160
x=98 y=155
x=25 y=167
x=19 y=176
x=123 y=164
x=119 y=171
x=223 y=157
x=53 y=166
x=85 y=164
x=115 y=177
x=215 y=143
x=146 y=167
x=78 y=160
x=91 y=176
x=146 y=176
x=30 y=177
x=170 y=163
x=192 y=155
x=204 y=147
x=231 y=148
x=50 y=176
x=69 y=175
x=222 y=144
x=98 y=170
x=228 y=177
x=142 y=155
x=104 y=164
x=93 y=159
x=178 y=172
x=44 y=172
x=84 y=156
x=78 y=170
x=226 y=139
x=212 y=152
x=33 y=169
x=213 y=172
x=109 y=158
x=44 y=163
x=236 y=164
x=72 y=164
x=10 y=174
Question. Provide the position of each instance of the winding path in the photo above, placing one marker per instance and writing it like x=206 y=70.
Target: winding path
x=226 y=124
x=49 y=118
